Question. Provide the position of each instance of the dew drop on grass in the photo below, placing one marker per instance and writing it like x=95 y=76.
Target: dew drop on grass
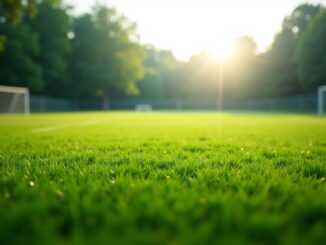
x=59 y=193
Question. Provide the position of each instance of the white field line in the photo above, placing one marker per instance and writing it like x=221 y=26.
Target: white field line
x=67 y=125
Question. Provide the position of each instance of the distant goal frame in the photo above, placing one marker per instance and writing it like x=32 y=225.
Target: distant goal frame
x=17 y=91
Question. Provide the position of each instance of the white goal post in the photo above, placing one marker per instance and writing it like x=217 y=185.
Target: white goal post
x=14 y=100
x=322 y=100
x=321 y=97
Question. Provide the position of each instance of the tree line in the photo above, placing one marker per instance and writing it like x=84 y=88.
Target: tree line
x=99 y=55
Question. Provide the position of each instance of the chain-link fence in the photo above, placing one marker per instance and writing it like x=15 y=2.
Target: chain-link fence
x=50 y=104
x=303 y=103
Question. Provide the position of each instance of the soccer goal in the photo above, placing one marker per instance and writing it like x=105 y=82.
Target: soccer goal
x=144 y=108
x=14 y=100
x=322 y=100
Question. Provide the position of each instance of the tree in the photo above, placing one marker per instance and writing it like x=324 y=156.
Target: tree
x=310 y=55
x=52 y=25
x=107 y=59
x=240 y=72
x=170 y=70
x=18 y=66
x=12 y=11
x=201 y=76
x=280 y=75
x=245 y=47
x=83 y=58
x=162 y=74
x=152 y=84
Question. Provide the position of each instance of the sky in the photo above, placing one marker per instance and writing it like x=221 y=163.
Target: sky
x=187 y=27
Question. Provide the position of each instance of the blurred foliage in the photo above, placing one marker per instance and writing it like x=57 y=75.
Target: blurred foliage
x=280 y=71
x=201 y=76
x=162 y=74
x=2 y=43
x=311 y=54
x=52 y=23
x=105 y=59
x=12 y=11
x=98 y=54
x=241 y=72
x=17 y=63
x=152 y=84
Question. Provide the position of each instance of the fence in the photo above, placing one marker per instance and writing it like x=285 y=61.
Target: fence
x=50 y=104
x=303 y=103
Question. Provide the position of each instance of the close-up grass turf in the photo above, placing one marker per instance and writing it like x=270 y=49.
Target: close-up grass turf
x=157 y=178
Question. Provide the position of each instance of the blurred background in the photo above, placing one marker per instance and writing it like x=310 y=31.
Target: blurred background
x=207 y=55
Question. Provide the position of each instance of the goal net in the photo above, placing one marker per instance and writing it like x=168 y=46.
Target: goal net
x=322 y=100
x=14 y=100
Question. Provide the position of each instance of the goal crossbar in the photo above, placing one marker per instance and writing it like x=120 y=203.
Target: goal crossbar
x=18 y=90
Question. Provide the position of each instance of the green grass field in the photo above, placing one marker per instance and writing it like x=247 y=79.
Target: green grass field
x=177 y=178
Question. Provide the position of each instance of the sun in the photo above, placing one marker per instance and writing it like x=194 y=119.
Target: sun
x=221 y=51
